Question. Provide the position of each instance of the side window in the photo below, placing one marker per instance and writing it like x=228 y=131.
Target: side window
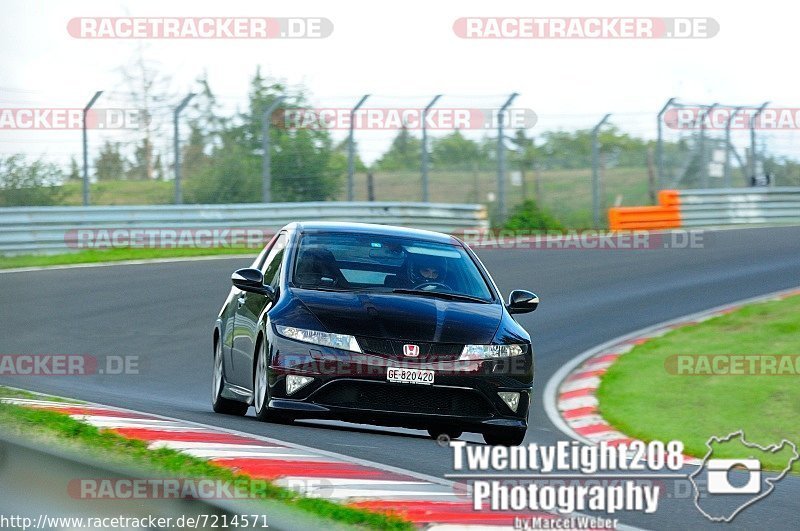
x=272 y=265
x=258 y=263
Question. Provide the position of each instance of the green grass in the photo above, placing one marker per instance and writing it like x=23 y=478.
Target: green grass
x=49 y=427
x=643 y=397
x=566 y=194
x=120 y=193
x=118 y=254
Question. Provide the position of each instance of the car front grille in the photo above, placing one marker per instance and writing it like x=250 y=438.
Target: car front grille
x=393 y=349
x=403 y=398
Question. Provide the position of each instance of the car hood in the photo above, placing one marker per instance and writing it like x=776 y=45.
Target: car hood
x=406 y=317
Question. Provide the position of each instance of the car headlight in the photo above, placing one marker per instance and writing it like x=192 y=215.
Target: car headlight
x=316 y=337
x=488 y=352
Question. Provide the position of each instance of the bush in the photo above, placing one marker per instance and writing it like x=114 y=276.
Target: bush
x=24 y=183
x=529 y=216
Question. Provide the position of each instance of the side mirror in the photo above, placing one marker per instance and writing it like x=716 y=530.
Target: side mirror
x=521 y=301
x=252 y=281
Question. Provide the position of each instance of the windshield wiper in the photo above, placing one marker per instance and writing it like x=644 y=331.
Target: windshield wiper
x=439 y=294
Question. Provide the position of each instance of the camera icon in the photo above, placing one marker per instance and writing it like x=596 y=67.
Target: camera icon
x=719 y=482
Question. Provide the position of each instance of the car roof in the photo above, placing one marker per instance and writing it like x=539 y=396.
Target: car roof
x=370 y=228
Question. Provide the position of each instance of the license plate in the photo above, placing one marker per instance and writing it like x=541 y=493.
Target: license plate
x=412 y=376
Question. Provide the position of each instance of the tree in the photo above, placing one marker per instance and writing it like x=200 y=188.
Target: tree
x=74 y=172
x=205 y=129
x=109 y=164
x=194 y=160
x=340 y=155
x=149 y=90
x=404 y=153
x=455 y=150
x=304 y=164
x=562 y=149
x=158 y=169
x=142 y=167
x=24 y=183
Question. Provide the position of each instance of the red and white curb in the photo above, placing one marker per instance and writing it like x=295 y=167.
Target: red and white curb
x=426 y=501
x=570 y=395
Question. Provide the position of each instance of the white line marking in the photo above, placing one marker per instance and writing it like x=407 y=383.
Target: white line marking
x=102 y=421
x=592 y=382
x=347 y=481
x=252 y=454
x=577 y=402
x=588 y=420
x=132 y=262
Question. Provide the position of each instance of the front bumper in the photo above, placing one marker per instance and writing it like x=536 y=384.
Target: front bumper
x=353 y=386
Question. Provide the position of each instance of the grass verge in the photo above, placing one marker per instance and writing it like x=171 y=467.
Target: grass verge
x=116 y=255
x=642 y=395
x=8 y=392
x=56 y=428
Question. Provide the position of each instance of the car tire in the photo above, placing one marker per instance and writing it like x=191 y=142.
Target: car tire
x=509 y=437
x=452 y=433
x=261 y=389
x=218 y=402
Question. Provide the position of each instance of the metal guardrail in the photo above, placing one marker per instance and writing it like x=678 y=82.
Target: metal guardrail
x=710 y=208
x=46 y=229
x=738 y=206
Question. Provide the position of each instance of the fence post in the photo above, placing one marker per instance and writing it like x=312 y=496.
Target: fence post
x=595 y=171
x=266 y=161
x=177 y=145
x=425 y=182
x=86 y=149
x=753 y=142
x=703 y=156
x=727 y=170
x=660 y=142
x=370 y=186
x=501 y=161
x=351 y=150
x=651 y=176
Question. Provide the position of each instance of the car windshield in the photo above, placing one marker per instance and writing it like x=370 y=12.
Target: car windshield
x=359 y=262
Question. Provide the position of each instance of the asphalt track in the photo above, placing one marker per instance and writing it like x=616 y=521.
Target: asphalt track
x=163 y=313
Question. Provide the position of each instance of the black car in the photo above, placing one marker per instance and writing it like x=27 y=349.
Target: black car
x=374 y=324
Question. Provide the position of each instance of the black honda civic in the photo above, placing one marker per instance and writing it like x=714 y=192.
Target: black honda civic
x=374 y=324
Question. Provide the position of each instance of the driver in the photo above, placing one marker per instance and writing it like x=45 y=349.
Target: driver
x=426 y=269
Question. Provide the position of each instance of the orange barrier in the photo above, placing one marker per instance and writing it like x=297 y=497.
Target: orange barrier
x=669 y=198
x=665 y=215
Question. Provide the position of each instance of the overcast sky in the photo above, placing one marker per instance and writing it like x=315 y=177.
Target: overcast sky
x=405 y=52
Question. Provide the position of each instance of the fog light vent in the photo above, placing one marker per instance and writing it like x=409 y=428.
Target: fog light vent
x=511 y=400
x=293 y=383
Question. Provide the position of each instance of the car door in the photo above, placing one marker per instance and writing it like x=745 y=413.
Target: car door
x=249 y=307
